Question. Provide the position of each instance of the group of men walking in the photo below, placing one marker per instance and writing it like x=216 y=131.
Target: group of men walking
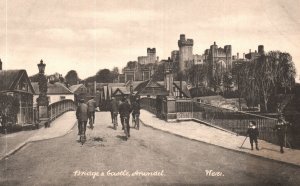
x=86 y=112
x=124 y=109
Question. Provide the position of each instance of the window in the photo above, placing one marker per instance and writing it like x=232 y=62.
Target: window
x=62 y=97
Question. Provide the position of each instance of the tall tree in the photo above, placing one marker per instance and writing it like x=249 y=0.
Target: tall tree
x=159 y=73
x=104 y=76
x=115 y=73
x=72 y=78
x=262 y=77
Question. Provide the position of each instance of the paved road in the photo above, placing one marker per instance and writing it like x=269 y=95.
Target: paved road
x=178 y=160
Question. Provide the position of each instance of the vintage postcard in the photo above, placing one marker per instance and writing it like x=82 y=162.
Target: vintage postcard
x=149 y=92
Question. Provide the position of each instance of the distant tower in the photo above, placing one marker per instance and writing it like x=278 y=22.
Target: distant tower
x=185 y=52
x=228 y=54
x=151 y=55
x=261 y=49
x=213 y=57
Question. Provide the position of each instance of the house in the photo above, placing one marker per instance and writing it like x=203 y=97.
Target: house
x=150 y=88
x=79 y=91
x=177 y=90
x=56 y=92
x=119 y=92
x=16 y=84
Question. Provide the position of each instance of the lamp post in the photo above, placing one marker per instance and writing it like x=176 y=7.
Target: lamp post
x=168 y=71
x=42 y=100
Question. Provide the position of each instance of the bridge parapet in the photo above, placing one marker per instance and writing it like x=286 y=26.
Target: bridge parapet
x=227 y=119
x=58 y=108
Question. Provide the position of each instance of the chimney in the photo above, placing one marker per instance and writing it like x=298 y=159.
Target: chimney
x=243 y=55
x=250 y=51
x=237 y=56
x=0 y=64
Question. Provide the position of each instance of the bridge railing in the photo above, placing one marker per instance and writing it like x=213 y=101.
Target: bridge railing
x=58 y=108
x=149 y=104
x=235 y=121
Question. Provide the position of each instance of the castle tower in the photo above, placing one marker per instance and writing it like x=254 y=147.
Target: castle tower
x=228 y=54
x=213 y=58
x=185 y=52
x=151 y=55
x=261 y=49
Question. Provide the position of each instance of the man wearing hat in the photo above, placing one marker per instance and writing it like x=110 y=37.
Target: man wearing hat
x=125 y=110
x=136 y=112
x=280 y=128
x=82 y=116
x=114 y=108
x=91 y=111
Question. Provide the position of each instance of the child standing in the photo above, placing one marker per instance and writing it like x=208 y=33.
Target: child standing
x=252 y=132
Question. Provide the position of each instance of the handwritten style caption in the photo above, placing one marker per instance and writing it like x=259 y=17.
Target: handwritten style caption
x=94 y=174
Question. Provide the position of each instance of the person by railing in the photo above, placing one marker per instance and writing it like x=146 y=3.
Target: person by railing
x=281 y=130
x=253 y=133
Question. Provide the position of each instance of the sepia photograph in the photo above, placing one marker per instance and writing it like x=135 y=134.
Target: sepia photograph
x=149 y=92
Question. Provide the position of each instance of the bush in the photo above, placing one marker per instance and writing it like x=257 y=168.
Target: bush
x=9 y=104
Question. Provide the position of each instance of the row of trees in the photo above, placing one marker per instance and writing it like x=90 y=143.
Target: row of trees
x=104 y=76
x=72 y=78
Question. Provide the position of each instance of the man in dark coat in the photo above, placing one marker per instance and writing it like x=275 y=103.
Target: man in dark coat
x=114 y=108
x=82 y=117
x=91 y=111
x=136 y=112
x=280 y=128
x=253 y=133
x=125 y=110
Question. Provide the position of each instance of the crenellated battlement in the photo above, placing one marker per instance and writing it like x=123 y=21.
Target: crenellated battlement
x=185 y=42
x=151 y=50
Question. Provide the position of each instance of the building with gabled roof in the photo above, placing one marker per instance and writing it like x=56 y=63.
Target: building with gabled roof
x=16 y=83
x=151 y=88
x=56 y=92
x=79 y=91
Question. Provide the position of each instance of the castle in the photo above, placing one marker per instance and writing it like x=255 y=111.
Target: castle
x=143 y=68
x=218 y=60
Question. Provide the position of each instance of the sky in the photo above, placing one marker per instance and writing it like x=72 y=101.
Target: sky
x=88 y=35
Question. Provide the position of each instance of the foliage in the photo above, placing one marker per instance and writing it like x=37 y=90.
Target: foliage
x=90 y=79
x=131 y=64
x=115 y=73
x=159 y=73
x=104 y=76
x=10 y=105
x=34 y=78
x=262 y=77
x=198 y=75
x=201 y=91
x=72 y=78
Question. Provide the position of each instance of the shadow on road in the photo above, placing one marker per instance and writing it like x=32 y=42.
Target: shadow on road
x=110 y=127
x=264 y=148
x=98 y=139
x=122 y=137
